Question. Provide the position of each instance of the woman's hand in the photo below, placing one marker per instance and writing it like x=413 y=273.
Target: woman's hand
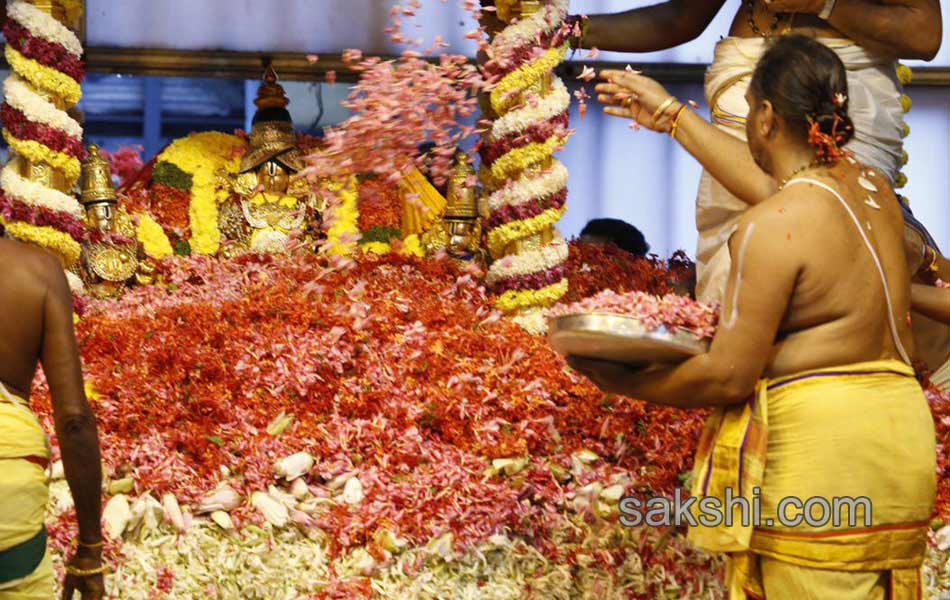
x=89 y=588
x=626 y=94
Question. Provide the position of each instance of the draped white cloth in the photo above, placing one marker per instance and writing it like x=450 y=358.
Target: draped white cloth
x=874 y=92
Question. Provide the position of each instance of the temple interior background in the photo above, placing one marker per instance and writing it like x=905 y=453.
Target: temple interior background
x=642 y=178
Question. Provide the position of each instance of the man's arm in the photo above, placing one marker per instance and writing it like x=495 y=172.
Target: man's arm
x=74 y=422
x=931 y=301
x=897 y=28
x=764 y=270
x=727 y=158
x=651 y=28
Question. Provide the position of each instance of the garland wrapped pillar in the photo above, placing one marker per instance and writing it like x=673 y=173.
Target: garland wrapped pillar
x=45 y=56
x=527 y=186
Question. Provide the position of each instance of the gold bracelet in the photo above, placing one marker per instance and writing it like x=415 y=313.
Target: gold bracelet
x=666 y=104
x=933 y=268
x=98 y=544
x=86 y=572
x=676 y=121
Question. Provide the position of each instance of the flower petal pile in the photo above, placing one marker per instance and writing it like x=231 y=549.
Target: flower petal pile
x=368 y=417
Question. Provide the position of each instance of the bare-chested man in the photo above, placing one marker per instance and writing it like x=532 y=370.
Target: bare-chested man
x=809 y=368
x=868 y=35
x=37 y=327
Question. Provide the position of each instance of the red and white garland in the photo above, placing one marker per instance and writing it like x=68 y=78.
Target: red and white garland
x=46 y=59
x=529 y=185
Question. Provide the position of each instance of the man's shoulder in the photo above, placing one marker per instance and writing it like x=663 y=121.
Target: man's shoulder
x=794 y=208
x=29 y=260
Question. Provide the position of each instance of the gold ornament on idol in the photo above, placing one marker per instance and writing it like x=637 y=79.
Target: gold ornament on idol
x=459 y=233
x=267 y=204
x=108 y=266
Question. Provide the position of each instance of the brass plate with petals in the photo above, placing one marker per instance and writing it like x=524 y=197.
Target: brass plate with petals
x=621 y=339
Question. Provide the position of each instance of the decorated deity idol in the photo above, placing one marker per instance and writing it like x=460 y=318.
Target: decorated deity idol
x=268 y=207
x=112 y=259
x=459 y=232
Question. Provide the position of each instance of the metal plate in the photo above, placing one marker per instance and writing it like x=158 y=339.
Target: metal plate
x=621 y=339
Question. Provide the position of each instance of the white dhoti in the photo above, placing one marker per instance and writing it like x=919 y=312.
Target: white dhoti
x=874 y=93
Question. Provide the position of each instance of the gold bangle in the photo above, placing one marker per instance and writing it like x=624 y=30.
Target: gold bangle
x=98 y=544
x=676 y=121
x=666 y=104
x=933 y=268
x=86 y=572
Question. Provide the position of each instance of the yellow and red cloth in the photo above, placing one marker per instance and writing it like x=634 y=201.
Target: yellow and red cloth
x=24 y=456
x=861 y=430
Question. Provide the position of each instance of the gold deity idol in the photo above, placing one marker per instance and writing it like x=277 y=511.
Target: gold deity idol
x=112 y=260
x=459 y=233
x=268 y=205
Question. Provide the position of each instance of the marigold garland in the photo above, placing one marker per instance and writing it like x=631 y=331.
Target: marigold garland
x=531 y=124
x=150 y=234
x=19 y=96
x=12 y=209
x=500 y=237
x=375 y=248
x=37 y=152
x=534 y=134
x=530 y=281
x=519 y=79
x=527 y=189
x=526 y=156
x=531 y=115
x=43 y=77
x=35 y=194
x=412 y=246
x=49 y=54
x=22 y=128
x=515 y=300
x=41 y=25
x=45 y=58
x=527 y=210
x=202 y=155
x=46 y=237
x=342 y=221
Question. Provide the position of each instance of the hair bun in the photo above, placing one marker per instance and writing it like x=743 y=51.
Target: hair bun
x=836 y=124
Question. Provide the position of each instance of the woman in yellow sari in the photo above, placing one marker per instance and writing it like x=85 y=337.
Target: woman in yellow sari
x=809 y=369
